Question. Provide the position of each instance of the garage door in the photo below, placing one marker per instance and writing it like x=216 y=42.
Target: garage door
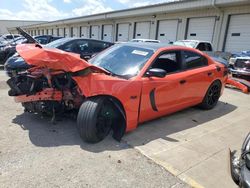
x=167 y=30
x=50 y=32
x=107 y=34
x=94 y=32
x=201 y=29
x=84 y=32
x=238 y=35
x=61 y=32
x=73 y=31
x=67 y=33
x=54 y=31
x=142 y=30
x=123 y=32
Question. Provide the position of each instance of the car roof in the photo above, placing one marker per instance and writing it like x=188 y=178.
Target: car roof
x=82 y=38
x=145 y=39
x=246 y=57
x=44 y=36
x=193 y=41
x=162 y=46
x=150 y=46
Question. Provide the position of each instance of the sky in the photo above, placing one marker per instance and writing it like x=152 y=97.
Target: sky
x=48 y=10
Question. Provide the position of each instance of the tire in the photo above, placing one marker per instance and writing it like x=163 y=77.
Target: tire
x=248 y=160
x=212 y=96
x=246 y=149
x=95 y=119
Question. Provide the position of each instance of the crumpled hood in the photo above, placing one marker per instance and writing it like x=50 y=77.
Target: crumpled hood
x=53 y=58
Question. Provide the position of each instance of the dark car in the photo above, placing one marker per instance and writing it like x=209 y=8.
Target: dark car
x=9 y=49
x=45 y=39
x=85 y=47
x=10 y=36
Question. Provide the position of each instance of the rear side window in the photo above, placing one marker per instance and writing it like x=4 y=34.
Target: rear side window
x=97 y=46
x=201 y=47
x=77 y=46
x=204 y=46
x=193 y=60
x=42 y=39
x=208 y=47
x=9 y=37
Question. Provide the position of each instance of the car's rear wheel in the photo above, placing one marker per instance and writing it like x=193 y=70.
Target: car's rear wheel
x=212 y=96
x=95 y=119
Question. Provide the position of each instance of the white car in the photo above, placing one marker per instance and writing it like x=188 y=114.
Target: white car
x=197 y=44
x=145 y=40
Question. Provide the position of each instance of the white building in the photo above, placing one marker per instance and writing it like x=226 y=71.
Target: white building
x=5 y=24
x=226 y=23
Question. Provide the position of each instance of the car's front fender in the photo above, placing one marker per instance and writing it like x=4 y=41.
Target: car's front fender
x=128 y=92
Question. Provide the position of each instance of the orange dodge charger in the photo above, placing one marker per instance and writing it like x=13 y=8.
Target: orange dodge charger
x=119 y=88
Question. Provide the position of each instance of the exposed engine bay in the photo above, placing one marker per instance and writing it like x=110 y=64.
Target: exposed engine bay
x=48 y=86
x=55 y=91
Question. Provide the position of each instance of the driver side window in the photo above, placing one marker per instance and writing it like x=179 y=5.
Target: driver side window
x=169 y=62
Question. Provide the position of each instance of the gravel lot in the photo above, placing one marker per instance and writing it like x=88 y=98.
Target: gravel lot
x=36 y=153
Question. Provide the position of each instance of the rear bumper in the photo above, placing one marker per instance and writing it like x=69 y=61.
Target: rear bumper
x=240 y=72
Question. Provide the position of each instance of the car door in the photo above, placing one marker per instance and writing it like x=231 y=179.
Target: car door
x=197 y=77
x=161 y=96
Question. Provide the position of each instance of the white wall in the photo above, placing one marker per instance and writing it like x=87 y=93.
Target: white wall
x=220 y=29
x=5 y=24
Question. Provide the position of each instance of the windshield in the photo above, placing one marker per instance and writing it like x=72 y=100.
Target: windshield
x=122 y=60
x=57 y=43
x=191 y=44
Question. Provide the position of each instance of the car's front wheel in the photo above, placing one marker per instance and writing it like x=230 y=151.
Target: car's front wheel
x=212 y=96
x=95 y=119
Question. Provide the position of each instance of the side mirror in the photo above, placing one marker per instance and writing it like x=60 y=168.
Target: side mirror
x=171 y=42
x=156 y=73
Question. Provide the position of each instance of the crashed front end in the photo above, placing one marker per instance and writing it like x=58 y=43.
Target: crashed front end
x=48 y=87
x=44 y=91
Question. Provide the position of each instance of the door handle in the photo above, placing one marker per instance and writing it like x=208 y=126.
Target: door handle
x=183 y=81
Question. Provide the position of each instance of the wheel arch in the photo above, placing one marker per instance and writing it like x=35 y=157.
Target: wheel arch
x=217 y=80
x=120 y=129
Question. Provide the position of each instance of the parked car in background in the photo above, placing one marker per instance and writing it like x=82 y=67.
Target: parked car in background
x=8 y=49
x=6 y=38
x=10 y=36
x=45 y=39
x=145 y=40
x=197 y=44
x=119 y=88
x=240 y=166
x=86 y=48
x=236 y=55
x=240 y=67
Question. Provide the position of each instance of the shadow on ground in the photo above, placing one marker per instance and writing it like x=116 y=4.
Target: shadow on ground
x=43 y=133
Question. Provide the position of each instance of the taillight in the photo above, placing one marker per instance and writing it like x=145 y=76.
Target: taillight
x=225 y=73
